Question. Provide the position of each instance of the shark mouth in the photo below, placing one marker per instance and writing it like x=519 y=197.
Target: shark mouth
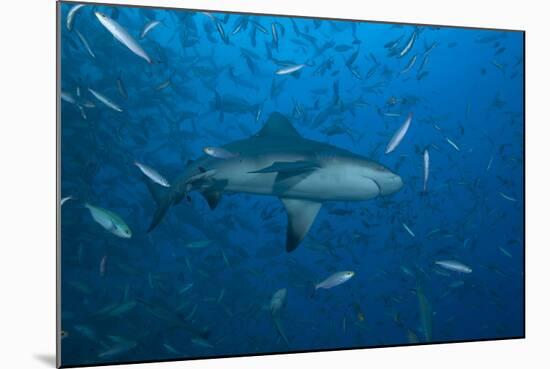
x=377 y=186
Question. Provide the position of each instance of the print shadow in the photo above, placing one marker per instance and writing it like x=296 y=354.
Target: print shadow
x=48 y=359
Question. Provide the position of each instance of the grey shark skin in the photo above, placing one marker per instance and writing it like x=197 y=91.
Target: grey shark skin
x=278 y=161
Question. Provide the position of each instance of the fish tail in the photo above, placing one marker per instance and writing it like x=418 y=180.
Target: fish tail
x=162 y=197
x=280 y=329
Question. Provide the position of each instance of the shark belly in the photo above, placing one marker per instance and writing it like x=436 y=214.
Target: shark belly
x=317 y=185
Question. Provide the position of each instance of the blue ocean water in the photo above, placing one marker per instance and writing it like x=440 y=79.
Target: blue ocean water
x=201 y=283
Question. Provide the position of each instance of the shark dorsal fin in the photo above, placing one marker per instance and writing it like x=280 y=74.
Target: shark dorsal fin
x=278 y=125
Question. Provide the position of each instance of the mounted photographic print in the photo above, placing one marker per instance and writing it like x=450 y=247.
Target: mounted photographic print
x=235 y=184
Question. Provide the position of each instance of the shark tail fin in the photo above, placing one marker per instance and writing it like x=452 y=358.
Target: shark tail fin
x=162 y=198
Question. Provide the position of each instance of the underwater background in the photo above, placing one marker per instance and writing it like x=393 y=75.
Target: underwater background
x=435 y=265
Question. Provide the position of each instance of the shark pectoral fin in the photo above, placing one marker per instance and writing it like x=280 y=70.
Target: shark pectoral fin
x=213 y=198
x=301 y=214
x=289 y=166
x=285 y=180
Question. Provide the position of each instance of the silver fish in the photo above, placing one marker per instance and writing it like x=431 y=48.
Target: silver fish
x=171 y=349
x=148 y=27
x=505 y=252
x=221 y=32
x=68 y=97
x=163 y=85
x=490 y=163
x=509 y=198
x=454 y=266
x=152 y=174
x=71 y=14
x=220 y=297
x=102 y=266
x=82 y=112
x=65 y=199
x=105 y=100
x=259 y=114
x=289 y=69
x=409 y=231
x=409 y=45
x=209 y=16
x=185 y=288
x=426 y=168
x=110 y=221
x=198 y=244
x=335 y=280
x=275 y=35
x=398 y=136
x=410 y=64
x=429 y=49
x=277 y=301
x=121 y=88
x=453 y=144
x=85 y=43
x=424 y=62
x=219 y=152
x=118 y=349
x=122 y=35
x=426 y=313
x=201 y=342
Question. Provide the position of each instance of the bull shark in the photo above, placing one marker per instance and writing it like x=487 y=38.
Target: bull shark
x=278 y=161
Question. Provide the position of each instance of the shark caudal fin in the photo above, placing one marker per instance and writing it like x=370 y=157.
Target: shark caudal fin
x=162 y=198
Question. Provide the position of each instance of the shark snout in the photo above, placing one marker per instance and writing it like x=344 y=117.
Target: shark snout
x=385 y=180
x=390 y=184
